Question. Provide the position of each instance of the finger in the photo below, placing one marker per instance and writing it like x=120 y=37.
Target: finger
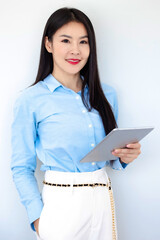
x=128 y=157
x=133 y=154
x=125 y=155
x=127 y=160
x=134 y=145
x=125 y=150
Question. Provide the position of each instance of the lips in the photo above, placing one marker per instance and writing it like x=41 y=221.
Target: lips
x=73 y=61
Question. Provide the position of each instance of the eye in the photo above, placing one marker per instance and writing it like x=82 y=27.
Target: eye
x=65 y=40
x=84 y=42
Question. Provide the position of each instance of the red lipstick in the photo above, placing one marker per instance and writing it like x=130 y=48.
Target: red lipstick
x=73 y=61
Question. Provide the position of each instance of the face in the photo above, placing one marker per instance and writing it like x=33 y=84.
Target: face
x=69 y=42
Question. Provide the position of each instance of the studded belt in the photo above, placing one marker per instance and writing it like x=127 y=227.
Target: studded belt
x=79 y=185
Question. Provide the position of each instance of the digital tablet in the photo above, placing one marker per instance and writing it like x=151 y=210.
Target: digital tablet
x=117 y=138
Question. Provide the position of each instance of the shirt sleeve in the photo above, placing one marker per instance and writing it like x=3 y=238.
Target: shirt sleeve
x=23 y=159
x=113 y=100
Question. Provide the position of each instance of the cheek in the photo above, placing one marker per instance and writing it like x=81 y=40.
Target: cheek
x=60 y=50
x=87 y=52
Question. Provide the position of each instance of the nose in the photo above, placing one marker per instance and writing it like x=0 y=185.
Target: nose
x=75 y=48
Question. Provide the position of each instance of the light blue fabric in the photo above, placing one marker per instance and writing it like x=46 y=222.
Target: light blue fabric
x=51 y=122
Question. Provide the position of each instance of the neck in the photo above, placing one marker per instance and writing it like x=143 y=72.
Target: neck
x=73 y=82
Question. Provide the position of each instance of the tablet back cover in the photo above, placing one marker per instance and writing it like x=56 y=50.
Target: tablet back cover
x=117 y=138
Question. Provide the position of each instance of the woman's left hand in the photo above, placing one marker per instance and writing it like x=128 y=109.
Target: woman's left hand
x=128 y=154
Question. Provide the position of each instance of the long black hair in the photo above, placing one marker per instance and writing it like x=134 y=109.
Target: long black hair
x=97 y=99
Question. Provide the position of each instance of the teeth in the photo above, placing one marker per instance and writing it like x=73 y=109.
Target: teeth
x=73 y=60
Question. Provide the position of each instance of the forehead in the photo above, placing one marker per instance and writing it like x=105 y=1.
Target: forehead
x=72 y=29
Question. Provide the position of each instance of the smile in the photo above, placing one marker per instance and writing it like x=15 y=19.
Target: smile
x=73 y=61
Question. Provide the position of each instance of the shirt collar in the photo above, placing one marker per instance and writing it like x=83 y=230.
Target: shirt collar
x=52 y=83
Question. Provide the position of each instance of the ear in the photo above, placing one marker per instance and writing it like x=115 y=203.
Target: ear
x=48 y=45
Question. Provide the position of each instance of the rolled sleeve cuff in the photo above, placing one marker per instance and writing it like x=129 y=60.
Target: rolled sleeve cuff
x=34 y=210
x=124 y=165
x=117 y=165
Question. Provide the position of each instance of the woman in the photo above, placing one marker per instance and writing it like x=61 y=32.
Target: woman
x=60 y=118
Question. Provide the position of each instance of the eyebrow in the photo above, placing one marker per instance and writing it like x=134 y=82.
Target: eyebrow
x=71 y=37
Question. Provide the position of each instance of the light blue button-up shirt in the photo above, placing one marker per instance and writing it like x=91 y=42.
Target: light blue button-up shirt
x=51 y=122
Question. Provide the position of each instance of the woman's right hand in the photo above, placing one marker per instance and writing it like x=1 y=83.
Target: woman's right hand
x=36 y=224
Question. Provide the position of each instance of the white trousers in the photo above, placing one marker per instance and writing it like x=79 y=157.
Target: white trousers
x=76 y=213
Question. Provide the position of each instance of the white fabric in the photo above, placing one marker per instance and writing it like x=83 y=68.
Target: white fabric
x=81 y=213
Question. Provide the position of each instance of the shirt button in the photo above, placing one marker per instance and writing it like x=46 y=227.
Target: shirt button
x=77 y=97
x=90 y=125
x=92 y=144
x=93 y=163
x=83 y=110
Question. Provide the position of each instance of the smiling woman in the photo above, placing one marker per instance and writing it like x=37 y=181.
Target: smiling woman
x=70 y=53
x=59 y=119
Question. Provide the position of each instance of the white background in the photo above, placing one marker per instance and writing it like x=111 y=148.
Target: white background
x=128 y=46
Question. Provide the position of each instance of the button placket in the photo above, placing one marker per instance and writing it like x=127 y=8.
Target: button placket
x=90 y=125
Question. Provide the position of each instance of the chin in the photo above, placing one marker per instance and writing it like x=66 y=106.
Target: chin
x=73 y=72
